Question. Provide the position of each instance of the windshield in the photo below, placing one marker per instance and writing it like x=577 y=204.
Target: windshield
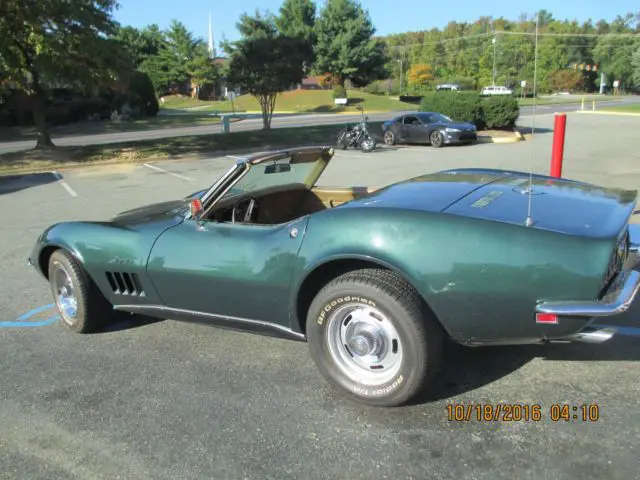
x=274 y=173
x=435 y=117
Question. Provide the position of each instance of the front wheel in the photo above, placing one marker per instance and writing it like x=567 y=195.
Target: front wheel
x=342 y=140
x=368 y=144
x=80 y=304
x=370 y=336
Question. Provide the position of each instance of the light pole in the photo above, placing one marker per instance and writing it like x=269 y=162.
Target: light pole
x=400 y=62
x=493 y=40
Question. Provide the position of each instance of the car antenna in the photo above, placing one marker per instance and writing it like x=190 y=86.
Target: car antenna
x=529 y=221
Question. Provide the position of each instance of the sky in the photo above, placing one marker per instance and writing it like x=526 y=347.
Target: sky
x=387 y=16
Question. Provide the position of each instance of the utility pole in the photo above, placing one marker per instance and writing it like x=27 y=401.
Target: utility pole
x=401 y=72
x=493 y=40
x=602 y=82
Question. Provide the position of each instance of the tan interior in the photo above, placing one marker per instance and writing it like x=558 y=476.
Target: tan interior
x=334 y=196
x=283 y=205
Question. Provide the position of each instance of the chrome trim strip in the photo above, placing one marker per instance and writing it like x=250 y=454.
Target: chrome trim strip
x=634 y=238
x=261 y=323
x=614 y=303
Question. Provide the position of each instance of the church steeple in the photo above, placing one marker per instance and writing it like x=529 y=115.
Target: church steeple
x=212 y=47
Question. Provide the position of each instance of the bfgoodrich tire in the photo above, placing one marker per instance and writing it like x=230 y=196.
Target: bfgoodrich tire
x=371 y=337
x=81 y=305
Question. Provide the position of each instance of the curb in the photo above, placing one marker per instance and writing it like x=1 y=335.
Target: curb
x=355 y=112
x=604 y=112
x=518 y=137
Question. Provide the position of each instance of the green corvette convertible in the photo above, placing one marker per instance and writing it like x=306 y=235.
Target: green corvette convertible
x=376 y=281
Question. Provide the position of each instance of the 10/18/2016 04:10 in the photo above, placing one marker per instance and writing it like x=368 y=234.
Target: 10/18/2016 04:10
x=503 y=412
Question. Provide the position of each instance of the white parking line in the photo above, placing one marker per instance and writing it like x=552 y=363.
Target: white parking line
x=236 y=158
x=64 y=184
x=153 y=167
x=420 y=149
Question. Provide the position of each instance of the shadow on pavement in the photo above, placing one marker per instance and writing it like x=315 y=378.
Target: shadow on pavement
x=15 y=183
x=527 y=130
x=125 y=321
x=467 y=369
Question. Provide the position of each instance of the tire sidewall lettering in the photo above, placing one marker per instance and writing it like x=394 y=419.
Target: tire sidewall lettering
x=378 y=391
x=330 y=305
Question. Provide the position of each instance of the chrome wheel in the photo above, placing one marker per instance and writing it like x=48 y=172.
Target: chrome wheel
x=389 y=138
x=364 y=344
x=436 y=139
x=368 y=144
x=65 y=294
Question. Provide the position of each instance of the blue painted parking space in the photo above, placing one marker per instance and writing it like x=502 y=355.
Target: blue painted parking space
x=37 y=317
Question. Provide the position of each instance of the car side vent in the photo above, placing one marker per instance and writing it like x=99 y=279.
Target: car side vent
x=123 y=283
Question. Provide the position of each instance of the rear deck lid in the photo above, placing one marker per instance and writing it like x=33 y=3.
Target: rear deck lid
x=557 y=205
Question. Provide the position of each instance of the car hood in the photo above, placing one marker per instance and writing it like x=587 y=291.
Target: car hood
x=458 y=125
x=558 y=205
x=156 y=211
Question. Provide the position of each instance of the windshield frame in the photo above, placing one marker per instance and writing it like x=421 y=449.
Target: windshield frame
x=320 y=155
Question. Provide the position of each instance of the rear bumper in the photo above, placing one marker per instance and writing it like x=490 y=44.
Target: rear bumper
x=617 y=300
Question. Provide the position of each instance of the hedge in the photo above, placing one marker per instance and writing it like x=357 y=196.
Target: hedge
x=483 y=112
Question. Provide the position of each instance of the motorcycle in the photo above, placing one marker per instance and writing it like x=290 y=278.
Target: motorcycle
x=357 y=136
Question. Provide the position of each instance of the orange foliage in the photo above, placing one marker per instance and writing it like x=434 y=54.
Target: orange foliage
x=420 y=74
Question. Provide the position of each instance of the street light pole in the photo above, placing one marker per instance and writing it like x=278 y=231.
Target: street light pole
x=400 y=61
x=493 y=81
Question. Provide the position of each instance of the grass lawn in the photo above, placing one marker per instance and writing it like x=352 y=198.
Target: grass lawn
x=200 y=146
x=15 y=134
x=310 y=101
x=560 y=99
x=633 y=108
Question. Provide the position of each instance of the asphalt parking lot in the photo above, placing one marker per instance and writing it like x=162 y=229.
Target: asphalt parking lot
x=168 y=400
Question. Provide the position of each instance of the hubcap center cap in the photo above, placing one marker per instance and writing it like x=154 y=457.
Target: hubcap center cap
x=365 y=341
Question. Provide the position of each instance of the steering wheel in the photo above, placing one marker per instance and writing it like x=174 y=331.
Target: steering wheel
x=236 y=213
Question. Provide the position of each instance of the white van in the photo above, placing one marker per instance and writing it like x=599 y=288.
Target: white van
x=496 y=90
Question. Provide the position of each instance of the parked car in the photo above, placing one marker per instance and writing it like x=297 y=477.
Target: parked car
x=496 y=90
x=427 y=127
x=375 y=280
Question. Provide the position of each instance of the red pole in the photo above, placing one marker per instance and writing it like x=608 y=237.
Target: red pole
x=559 y=127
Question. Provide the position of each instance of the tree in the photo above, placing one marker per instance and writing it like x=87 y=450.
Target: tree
x=46 y=42
x=614 y=54
x=265 y=61
x=420 y=74
x=297 y=20
x=566 y=80
x=635 y=63
x=141 y=44
x=345 y=44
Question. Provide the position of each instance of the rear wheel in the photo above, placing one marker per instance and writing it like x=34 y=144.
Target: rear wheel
x=81 y=305
x=436 y=139
x=370 y=337
x=368 y=144
x=389 y=138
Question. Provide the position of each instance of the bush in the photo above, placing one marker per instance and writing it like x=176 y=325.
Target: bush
x=500 y=111
x=489 y=112
x=339 y=92
x=411 y=98
x=459 y=106
x=141 y=95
